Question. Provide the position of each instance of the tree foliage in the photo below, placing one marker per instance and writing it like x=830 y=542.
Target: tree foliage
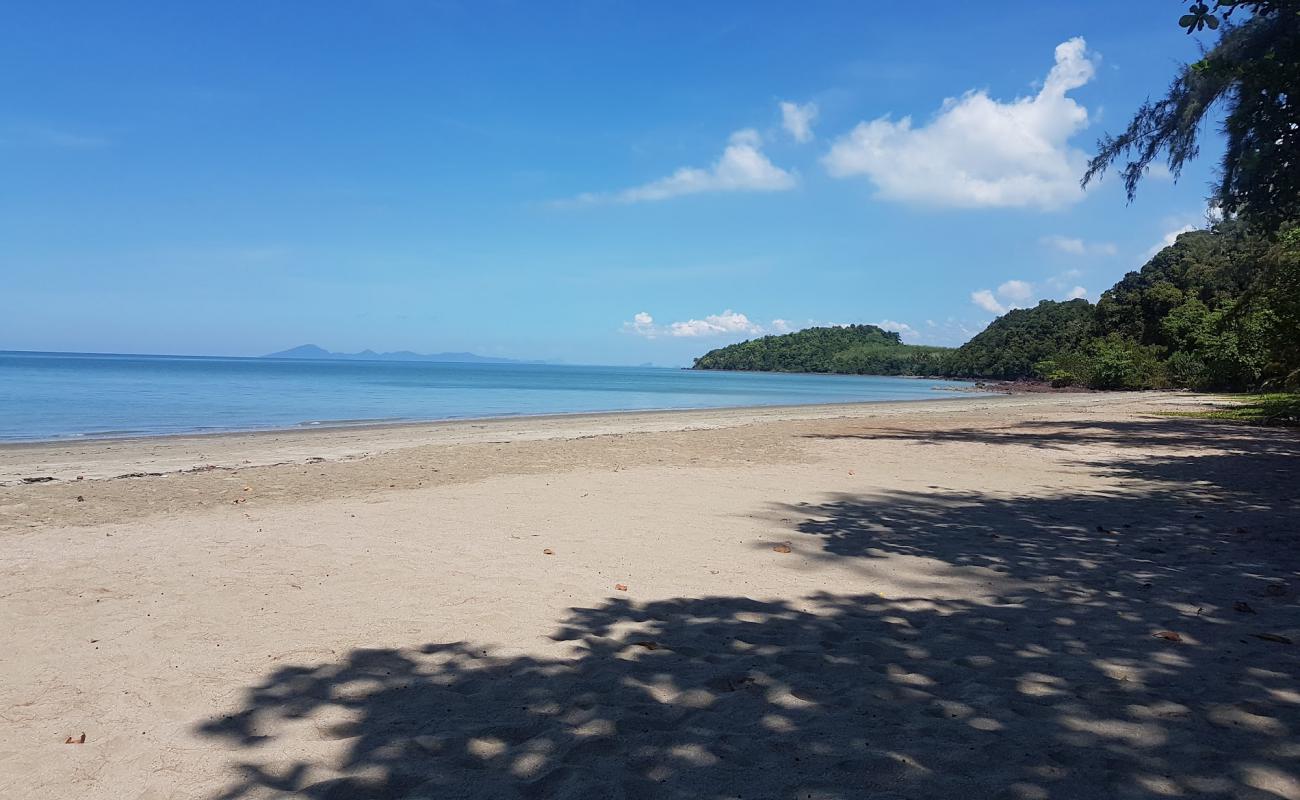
x=1218 y=309
x=851 y=349
x=1252 y=73
x=1013 y=344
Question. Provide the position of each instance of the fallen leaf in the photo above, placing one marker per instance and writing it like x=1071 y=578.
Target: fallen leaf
x=620 y=587
x=548 y=551
x=1243 y=607
x=781 y=548
x=1272 y=637
x=1168 y=636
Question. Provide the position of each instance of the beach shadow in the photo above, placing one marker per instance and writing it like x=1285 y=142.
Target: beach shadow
x=1148 y=655
x=1189 y=435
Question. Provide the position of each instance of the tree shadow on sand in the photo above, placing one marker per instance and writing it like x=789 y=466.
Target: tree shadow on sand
x=1053 y=685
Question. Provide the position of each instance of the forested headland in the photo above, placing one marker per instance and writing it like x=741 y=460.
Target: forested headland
x=849 y=349
x=1218 y=309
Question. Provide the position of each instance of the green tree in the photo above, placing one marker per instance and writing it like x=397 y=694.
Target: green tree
x=1253 y=74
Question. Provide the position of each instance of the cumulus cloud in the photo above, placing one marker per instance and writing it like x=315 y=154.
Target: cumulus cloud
x=1078 y=247
x=977 y=151
x=984 y=299
x=1016 y=291
x=715 y=325
x=742 y=168
x=798 y=119
x=907 y=332
x=1169 y=238
x=727 y=323
x=1022 y=294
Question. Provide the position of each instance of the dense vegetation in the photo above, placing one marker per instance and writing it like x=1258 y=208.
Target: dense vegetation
x=1218 y=309
x=1251 y=77
x=1014 y=344
x=852 y=349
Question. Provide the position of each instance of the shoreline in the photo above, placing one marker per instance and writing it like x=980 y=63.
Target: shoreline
x=64 y=460
x=344 y=424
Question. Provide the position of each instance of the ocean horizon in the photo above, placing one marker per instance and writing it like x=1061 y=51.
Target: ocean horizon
x=58 y=396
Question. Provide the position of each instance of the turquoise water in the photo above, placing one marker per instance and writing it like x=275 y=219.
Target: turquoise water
x=61 y=395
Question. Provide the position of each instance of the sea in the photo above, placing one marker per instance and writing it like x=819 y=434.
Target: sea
x=53 y=396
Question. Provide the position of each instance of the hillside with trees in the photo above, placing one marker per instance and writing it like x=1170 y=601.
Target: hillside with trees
x=851 y=349
x=1217 y=309
x=1012 y=346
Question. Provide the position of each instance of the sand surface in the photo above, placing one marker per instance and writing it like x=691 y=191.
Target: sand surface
x=597 y=607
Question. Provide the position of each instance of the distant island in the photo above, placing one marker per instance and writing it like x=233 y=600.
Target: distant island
x=311 y=351
x=850 y=349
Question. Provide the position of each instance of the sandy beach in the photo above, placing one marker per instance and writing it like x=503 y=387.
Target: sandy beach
x=1021 y=597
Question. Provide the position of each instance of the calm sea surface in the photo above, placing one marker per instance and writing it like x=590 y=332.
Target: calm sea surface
x=60 y=395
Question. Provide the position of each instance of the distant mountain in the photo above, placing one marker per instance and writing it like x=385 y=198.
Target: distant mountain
x=311 y=351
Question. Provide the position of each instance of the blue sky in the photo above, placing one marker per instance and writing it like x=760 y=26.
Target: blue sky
x=599 y=182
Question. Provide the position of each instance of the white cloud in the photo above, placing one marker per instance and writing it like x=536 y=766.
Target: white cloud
x=978 y=152
x=1078 y=247
x=715 y=325
x=742 y=168
x=1023 y=294
x=985 y=300
x=798 y=119
x=1170 y=238
x=781 y=326
x=643 y=324
x=727 y=323
x=1016 y=291
x=907 y=332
